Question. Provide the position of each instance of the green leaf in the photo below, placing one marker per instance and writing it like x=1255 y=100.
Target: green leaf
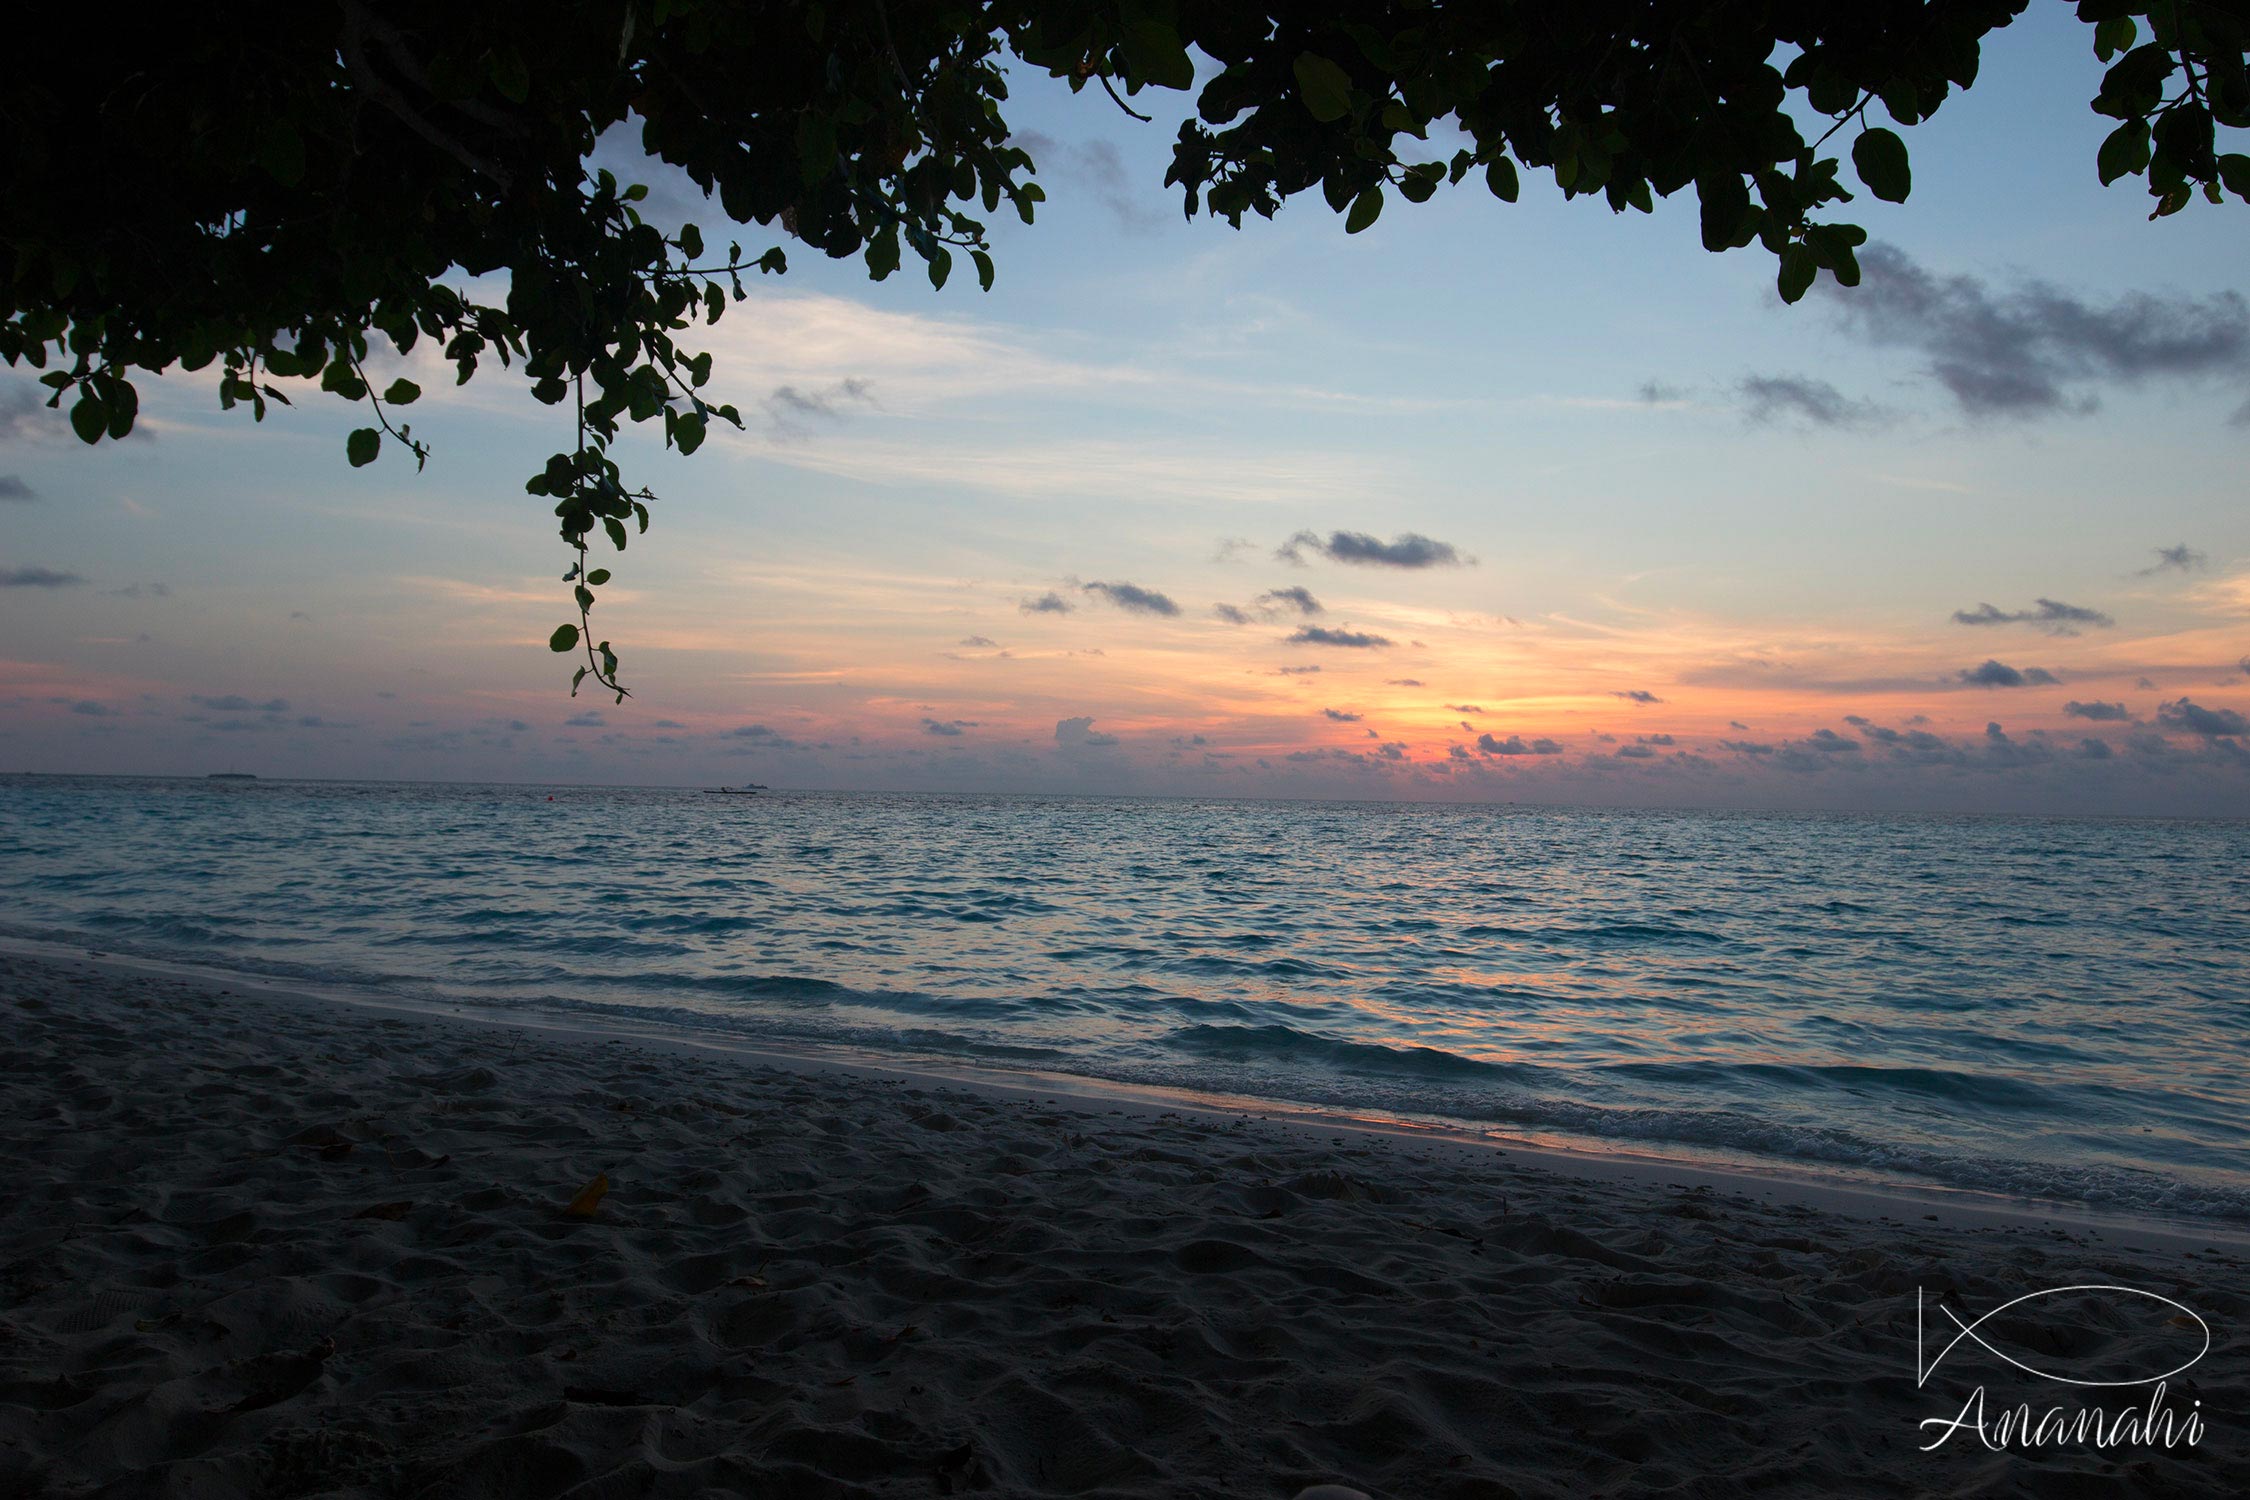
x=1879 y=157
x=816 y=145
x=1724 y=202
x=2124 y=152
x=616 y=532
x=984 y=268
x=511 y=76
x=2115 y=35
x=1364 y=210
x=1156 y=54
x=402 y=393
x=576 y=678
x=941 y=265
x=362 y=446
x=598 y=577
x=1325 y=88
x=565 y=637
x=1798 y=268
x=281 y=151
x=1500 y=176
x=89 y=417
x=882 y=252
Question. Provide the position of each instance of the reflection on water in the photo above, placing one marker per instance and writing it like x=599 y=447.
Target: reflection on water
x=2039 y=1005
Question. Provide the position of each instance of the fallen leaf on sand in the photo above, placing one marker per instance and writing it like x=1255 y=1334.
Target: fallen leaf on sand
x=391 y=1211
x=589 y=1198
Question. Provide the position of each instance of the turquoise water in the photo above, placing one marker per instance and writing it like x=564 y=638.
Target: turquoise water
x=2045 y=1006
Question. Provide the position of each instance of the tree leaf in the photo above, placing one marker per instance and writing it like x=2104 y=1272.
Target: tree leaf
x=1325 y=88
x=402 y=393
x=589 y=1199
x=1156 y=54
x=362 y=446
x=1879 y=157
x=1798 y=267
x=1365 y=208
x=565 y=637
x=89 y=417
x=598 y=577
x=1500 y=176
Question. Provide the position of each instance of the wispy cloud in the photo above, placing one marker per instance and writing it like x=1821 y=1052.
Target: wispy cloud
x=1132 y=598
x=2051 y=615
x=1406 y=550
x=1995 y=674
x=39 y=578
x=2035 y=349
x=2178 y=559
x=1769 y=398
x=1321 y=635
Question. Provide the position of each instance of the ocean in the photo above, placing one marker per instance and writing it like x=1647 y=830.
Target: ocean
x=2045 y=1007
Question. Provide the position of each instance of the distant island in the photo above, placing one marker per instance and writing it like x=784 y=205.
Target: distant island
x=231 y=776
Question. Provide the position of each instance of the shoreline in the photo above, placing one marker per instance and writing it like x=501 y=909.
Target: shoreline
x=1800 y=1185
x=255 y=1243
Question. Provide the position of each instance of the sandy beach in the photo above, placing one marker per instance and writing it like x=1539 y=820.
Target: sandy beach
x=262 y=1246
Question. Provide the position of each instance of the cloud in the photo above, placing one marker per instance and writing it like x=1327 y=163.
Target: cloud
x=789 y=407
x=93 y=710
x=1406 y=550
x=1638 y=695
x=235 y=703
x=1746 y=747
x=1830 y=742
x=950 y=728
x=1049 y=603
x=1321 y=635
x=2193 y=718
x=2179 y=559
x=749 y=732
x=1463 y=708
x=164 y=591
x=1295 y=671
x=1634 y=752
x=1514 y=745
x=38 y=578
x=1133 y=598
x=1995 y=674
x=2050 y=615
x=12 y=487
x=1232 y=547
x=1230 y=614
x=1417 y=682
x=2036 y=349
x=1299 y=599
x=1657 y=393
x=979 y=640
x=1770 y=397
x=1097 y=166
x=590 y=719
x=1079 y=734
x=2102 y=712
x=1340 y=716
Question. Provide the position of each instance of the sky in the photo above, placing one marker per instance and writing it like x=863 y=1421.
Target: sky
x=1491 y=502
